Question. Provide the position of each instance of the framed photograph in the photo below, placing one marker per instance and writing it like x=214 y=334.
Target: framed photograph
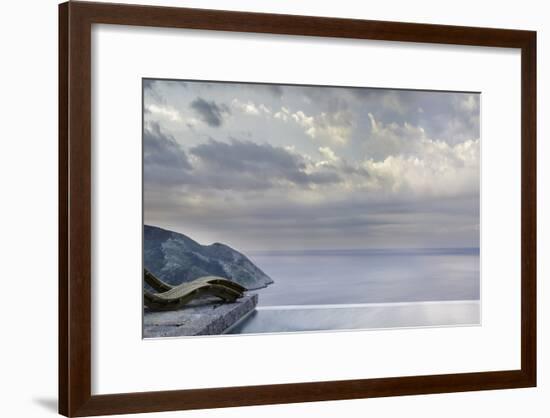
x=314 y=202
x=260 y=209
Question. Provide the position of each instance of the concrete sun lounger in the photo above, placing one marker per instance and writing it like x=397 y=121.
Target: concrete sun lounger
x=168 y=297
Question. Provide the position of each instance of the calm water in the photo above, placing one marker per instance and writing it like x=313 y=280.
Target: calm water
x=369 y=276
x=349 y=317
x=344 y=290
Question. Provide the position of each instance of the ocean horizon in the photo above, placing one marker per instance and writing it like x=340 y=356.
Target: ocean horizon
x=368 y=251
x=361 y=276
x=320 y=290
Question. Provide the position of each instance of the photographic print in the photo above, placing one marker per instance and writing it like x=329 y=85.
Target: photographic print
x=272 y=208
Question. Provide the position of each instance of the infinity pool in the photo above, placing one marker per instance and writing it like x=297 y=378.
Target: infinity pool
x=355 y=317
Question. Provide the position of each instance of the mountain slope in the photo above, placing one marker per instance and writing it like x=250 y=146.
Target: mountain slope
x=176 y=258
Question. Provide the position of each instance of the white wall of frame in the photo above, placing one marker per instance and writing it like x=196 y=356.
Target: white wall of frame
x=28 y=213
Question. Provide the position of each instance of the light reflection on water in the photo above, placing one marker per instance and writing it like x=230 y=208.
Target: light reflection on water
x=415 y=314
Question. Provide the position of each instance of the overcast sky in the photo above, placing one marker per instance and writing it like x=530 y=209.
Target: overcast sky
x=271 y=167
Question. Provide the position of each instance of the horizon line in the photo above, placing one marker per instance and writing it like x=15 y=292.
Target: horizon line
x=374 y=249
x=320 y=250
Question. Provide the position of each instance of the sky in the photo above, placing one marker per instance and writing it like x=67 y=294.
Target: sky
x=284 y=167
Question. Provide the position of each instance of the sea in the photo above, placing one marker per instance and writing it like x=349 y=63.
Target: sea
x=365 y=289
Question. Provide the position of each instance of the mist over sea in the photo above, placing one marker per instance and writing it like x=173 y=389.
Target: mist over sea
x=369 y=276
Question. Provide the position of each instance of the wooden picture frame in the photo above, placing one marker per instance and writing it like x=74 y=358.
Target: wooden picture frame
x=75 y=183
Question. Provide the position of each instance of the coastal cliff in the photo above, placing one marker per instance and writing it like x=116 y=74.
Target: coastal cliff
x=175 y=258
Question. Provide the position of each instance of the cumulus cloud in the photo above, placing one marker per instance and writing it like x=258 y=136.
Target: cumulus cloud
x=386 y=139
x=283 y=114
x=251 y=108
x=331 y=127
x=468 y=103
x=440 y=170
x=402 y=159
x=210 y=112
x=328 y=154
x=164 y=111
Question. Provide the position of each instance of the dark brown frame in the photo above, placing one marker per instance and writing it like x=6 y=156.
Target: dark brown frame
x=75 y=22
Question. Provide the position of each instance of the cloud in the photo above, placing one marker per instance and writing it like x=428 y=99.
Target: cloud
x=268 y=166
x=447 y=116
x=439 y=169
x=245 y=164
x=162 y=149
x=210 y=112
x=164 y=161
x=275 y=89
x=250 y=108
x=468 y=103
x=164 y=111
x=335 y=127
x=283 y=114
x=243 y=155
x=148 y=83
x=328 y=154
x=386 y=139
x=402 y=160
x=392 y=101
x=304 y=218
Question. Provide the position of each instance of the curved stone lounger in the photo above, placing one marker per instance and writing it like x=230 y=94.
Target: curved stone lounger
x=155 y=282
x=221 y=281
x=177 y=296
x=161 y=286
